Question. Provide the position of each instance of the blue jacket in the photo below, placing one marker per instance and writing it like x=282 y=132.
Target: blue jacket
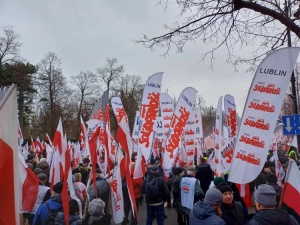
x=43 y=212
x=60 y=219
x=204 y=214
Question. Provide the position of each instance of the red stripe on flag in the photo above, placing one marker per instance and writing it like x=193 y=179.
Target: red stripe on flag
x=30 y=189
x=7 y=197
x=291 y=197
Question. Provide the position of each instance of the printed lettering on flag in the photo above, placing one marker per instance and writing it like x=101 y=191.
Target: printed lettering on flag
x=218 y=135
x=149 y=113
x=167 y=110
x=260 y=114
x=181 y=115
x=189 y=138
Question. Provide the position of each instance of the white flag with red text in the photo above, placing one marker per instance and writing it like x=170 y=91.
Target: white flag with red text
x=218 y=135
x=260 y=114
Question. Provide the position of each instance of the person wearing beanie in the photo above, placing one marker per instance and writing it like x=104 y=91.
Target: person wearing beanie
x=54 y=203
x=232 y=211
x=218 y=180
x=84 y=169
x=191 y=191
x=204 y=174
x=31 y=158
x=271 y=180
x=97 y=214
x=265 y=204
x=208 y=212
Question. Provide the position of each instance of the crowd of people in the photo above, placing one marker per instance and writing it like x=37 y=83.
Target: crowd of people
x=197 y=196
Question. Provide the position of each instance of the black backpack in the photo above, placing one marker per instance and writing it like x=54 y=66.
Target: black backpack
x=152 y=191
x=50 y=220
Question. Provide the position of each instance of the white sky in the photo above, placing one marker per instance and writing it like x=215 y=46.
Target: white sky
x=84 y=33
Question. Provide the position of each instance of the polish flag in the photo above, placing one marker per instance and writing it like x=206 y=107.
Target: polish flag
x=29 y=184
x=48 y=139
x=291 y=189
x=58 y=137
x=9 y=161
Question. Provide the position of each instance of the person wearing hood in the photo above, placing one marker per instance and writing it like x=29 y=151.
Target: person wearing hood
x=54 y=203
x=98 y=216
x=44 y=166
x=208 y=212
x=73 y=215
x=265 y=204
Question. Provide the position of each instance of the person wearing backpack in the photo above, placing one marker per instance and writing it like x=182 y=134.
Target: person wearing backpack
x=73 y=215
x=46 y=213
x=157 y=192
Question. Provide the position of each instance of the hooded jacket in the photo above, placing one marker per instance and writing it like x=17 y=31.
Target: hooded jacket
x=204 y=214
x=73 y=219
x=43 y=212
x=272 y=216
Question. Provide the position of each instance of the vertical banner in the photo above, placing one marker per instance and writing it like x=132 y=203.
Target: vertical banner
x=167 y=110
x=149 y=113
x=189 y=138
x=198 y=128
x=136 y=126
x=261 y=111
x=218 y=135
x=181 y=115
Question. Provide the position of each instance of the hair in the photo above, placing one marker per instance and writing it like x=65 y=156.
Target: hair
x=202 y=160
x=77 y=177
x=73 y=207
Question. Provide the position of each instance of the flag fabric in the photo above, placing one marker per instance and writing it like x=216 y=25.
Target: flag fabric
x=58 y=137
x=189 y=138
x=291 y=189
x=9 y=161
x=29 y=186
x=218 y=135
x=149 y=113
x=167 y=110
x=20 y=135
x=260 y=114
x=180 y=117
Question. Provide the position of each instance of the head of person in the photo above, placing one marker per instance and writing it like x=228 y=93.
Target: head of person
x=202 y=160
x=153 y=169
x=96 y=207
x=42 y=177
x=226 y=191
x=265 y=197
x=57 y=188
x=191 y=171
x=73 y=207
x=271 y=178
x=31 y=158
x=86 y=162
x=77 y=177
x=214 y=198
x=218 y=180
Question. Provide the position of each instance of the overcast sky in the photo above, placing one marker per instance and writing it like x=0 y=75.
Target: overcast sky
x=84 y=33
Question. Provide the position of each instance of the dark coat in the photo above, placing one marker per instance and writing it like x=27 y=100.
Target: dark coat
x=233 y=214
x=162 y=187
x=205 y=175
x=60 y=219
x=103 y=190
x=105 y=220
x=176 y=191
x=274 y=217
x=204 y=214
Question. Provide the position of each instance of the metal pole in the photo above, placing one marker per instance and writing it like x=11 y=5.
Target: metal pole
x=293 y=80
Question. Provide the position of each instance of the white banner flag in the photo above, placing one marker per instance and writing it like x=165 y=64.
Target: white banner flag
x=261 y=111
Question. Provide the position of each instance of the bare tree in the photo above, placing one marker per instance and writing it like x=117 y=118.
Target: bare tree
x=9 y=47
x=111 y=72
x=234 y=24
x=87 y=89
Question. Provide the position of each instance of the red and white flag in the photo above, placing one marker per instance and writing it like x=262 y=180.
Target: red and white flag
x=9 y=161
x=261 y=111
x=218 y=135
x=291 y=189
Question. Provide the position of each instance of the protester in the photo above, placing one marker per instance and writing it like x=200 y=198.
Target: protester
x=80 y=188
x=208 y=212
x=176 y=191
x=232 y=211
x=31 y=158
x=97 y=214
x=265 y=204
x=103 y=190
x=44 y=166
x=204 y=174
x=73 y=215
x=53 y=204
x=84 y=169
x=271 y=180
x=157 y=192
x=191 y=192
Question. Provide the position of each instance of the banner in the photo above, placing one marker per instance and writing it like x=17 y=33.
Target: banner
x=136 y=126
x=166 y=111
x=149 y=113
x=189 y=138
x=218 y=135
x=261 y=111
x=181 y=115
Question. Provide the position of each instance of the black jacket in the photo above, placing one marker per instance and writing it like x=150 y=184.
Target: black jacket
x=205 y=175
x=233 y=214
x=274 y=217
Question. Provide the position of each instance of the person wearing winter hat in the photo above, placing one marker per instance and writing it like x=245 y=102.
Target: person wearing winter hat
x=232 y=211
x=31 y=158
x=265 y=204
x=208 y=212
x=96 y=211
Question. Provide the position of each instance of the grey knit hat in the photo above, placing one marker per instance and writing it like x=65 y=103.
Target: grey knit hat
x=96 y=207
x=213 y=197
x=265 y=195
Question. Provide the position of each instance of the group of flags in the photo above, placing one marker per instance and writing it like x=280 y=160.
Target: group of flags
x=161 y=129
